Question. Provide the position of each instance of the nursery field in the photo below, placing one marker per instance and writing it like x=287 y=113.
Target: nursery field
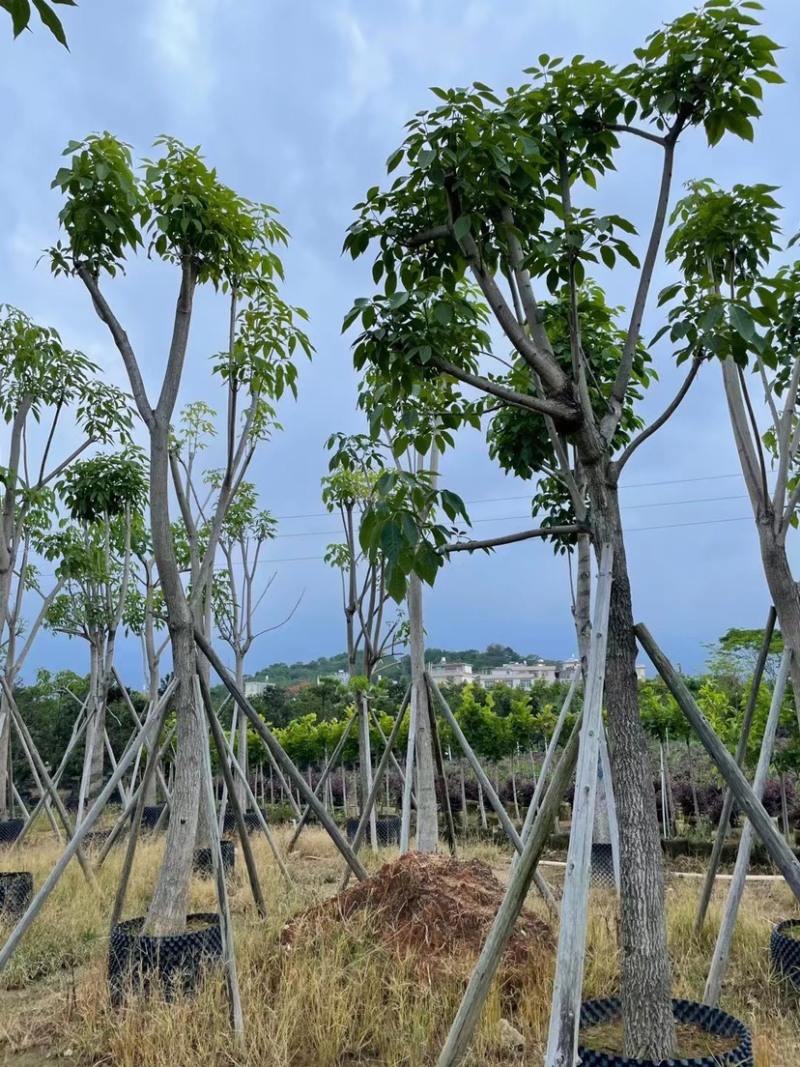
x=374 y=982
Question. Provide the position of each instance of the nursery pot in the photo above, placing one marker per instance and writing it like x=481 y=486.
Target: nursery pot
x=711 y=1020
x=10 y=830
x=150 y=816
x=16 y=890
x=784 y=948
x=387 y=830
x=174 y=964
x=203 y=861
x=250 y=818
x=603 y=866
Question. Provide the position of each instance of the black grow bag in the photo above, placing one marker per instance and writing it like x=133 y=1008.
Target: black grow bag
x=603 y=866
x=387 y=830
x=203 y=860
x=16 y=890
x=251 y=821
x=173 y=964
x=712 y=1020
x=10 y=831
x=785 y=950
x=151 y=815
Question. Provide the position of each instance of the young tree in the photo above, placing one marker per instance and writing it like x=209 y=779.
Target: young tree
x=490 y=191
x=729 y=305
x=93 y=547
x=177 y=210
x=42 y=384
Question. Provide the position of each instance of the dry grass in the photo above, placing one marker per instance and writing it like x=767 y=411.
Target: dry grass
x=339 y=998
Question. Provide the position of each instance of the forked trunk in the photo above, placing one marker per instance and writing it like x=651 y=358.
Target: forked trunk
x=427 y=808
x=649 y=1030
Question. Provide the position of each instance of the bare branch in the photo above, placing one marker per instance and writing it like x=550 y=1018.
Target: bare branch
x=637 y=132
x=180 y=339
x=278 y=625
x=554 y=408
x=435 y=233
x=664 y=417
x=510 y=539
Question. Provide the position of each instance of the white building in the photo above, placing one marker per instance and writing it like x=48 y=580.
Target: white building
x=520 y=675
x=454 y=673
x=254 y=687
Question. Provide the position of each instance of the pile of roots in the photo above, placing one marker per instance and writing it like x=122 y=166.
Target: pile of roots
x=434 y=909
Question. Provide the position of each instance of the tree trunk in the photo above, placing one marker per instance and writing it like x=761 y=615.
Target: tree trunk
x=427 y=812
x=785 y=596
x=649 y=1030
x=5 y=780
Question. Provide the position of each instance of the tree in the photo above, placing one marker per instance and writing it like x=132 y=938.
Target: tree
x=729 y=305
x=93 y=548
x=20 y=12
x=42 y=383
x=489 y=192
x=177 y=210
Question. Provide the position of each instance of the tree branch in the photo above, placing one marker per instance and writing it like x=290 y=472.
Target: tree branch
x=610 y=422
x=180 y=339
x=554 y=408
x=510 y=539
x=656 y=424
x=120 y=339
x=636 y=132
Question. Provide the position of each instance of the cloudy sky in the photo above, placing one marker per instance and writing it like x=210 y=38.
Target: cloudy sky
x=299 y=104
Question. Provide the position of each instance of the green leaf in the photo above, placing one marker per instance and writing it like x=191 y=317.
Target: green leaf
x=51 y=21
x=742 y=321
x=740 y=125
x=394 y=160
x=20 y=11
x=462 y=226
x=443 y=312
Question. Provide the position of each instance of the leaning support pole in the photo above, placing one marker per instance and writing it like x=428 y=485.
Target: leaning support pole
x=73 y=847
x=741 y=751
x=549 y=756
x=126 y=697
x=376 y=722
x=489 y=790
x=277 y=754
x=773 y=841
x=562 y=1041
x=369 y=806
x=229 y=952
x=444 y=793
x=723 y=946
x=46 y=780
x=611 y=806
x=477 y=991
x=74 y=740
x=408 y=780
x=330 y=764
x=227 y=774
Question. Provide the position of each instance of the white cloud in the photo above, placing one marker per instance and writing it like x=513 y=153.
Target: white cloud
x=180 y=32
x=368 y=70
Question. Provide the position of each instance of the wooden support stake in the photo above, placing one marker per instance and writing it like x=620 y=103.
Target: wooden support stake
x=722 y=948
x=741 y=751
x=611 y=806
x=444 y=792
x=477 y=991
x=279 y=757
x=408 y=780
x=780 y=853
x=562 y=1042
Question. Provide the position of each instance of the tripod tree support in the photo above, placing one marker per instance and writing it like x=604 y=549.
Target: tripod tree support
x=279 y=756
x=773 y=841
x=329 y=766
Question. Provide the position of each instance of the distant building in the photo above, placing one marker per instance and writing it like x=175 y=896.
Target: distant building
x=254 y=687
x=342 y=677
x=570 y=666
x=454 y=673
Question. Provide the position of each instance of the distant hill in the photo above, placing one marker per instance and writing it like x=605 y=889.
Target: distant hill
x=285 y=674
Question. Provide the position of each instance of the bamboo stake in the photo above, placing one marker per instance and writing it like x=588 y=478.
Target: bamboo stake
x=562 y=1042
x=229 y=953
x=780 y=853
x=723 y=946
x=741 y=751
x=477 y=991
x=279 y=756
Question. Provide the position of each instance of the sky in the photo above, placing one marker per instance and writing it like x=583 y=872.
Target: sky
x=299 y=105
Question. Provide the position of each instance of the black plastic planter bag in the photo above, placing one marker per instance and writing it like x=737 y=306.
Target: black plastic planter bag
x=16 y=890
x=151 y=815
x=712 y=1020
x=603 y=866
x=387 y=830
x=203 y=861
x=174 y=964
x=784 y=948
x=10 y=831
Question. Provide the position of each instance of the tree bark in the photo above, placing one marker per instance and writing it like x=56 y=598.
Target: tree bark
x=5 y=783
x=649 y=1029
x=427 y=809
x=785 y=594
x=241 y=754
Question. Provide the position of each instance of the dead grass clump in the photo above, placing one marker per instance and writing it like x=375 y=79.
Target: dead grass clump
x=433 y=909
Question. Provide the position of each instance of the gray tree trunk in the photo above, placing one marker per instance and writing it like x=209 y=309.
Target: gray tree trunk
x=648 y=1025
x=241 y=754
x=427 y=808
x=5 y=733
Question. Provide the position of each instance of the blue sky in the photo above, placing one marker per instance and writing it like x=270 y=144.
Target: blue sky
x=299 y=104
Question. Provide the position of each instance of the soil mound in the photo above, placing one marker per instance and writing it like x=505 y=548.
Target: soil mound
x=434 y=908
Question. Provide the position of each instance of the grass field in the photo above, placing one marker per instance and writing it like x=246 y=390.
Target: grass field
x=340 y=998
